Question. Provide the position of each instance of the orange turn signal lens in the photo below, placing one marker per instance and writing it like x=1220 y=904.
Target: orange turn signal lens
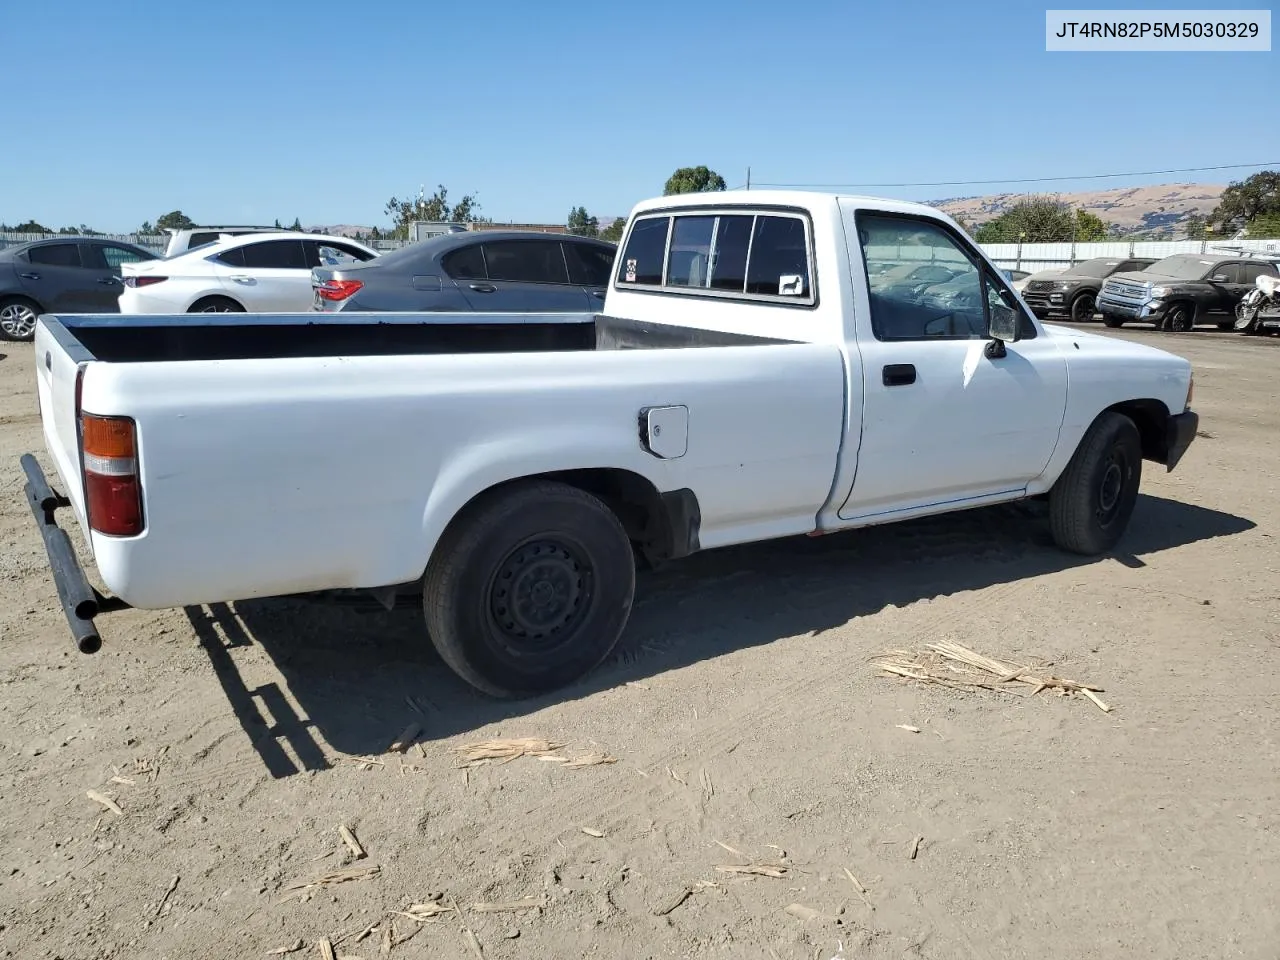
x=108 y=436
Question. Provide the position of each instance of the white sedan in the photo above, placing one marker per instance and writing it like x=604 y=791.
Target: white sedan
x=258 y=272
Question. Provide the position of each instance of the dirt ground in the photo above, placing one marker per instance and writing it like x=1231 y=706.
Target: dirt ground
x=748 y=726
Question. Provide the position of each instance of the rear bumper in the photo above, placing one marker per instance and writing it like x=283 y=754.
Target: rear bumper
x=81 y=603
x=1179 y=432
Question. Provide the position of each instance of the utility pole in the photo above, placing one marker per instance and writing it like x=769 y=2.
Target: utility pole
x=748 y=178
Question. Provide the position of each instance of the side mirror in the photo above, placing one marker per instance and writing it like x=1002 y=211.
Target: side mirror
x=1004 y=323
x=1218 y=278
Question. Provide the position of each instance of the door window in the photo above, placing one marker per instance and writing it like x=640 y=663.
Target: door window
x=55 y=255
x=952 y=309
x=275 y=255
x=107 y=256
x=1231 y=271
x=1252 y=271
x=589 y=265
x=526 y=261
x=466 y=264
x=779 y=264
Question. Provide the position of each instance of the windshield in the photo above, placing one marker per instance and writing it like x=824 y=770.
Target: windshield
x=1181 y=267
x=1100 y=267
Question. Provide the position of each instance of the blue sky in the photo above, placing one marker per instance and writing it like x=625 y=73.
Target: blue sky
x=249 y=111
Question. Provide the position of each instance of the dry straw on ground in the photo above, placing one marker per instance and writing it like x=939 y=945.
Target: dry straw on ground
x=950 y=664
x=504 y=751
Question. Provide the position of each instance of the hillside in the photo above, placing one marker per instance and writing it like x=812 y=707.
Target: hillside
x=1159 y=210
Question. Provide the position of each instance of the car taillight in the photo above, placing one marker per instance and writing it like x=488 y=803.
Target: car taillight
x=112 y=491
x=145 y=281
x=337 y=290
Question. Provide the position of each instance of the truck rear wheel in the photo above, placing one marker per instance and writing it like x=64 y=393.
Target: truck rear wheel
x=529 y=588
x=1090 y=505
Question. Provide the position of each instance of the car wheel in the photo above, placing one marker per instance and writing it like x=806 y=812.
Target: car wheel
x=529 y=588
x=1179 y=319
x=1091 y=503
x=1112 y=321
x=1083 y=308
x=215 y=305
x=18 y=319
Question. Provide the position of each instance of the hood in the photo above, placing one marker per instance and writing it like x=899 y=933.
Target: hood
x=1142 y=276
x=1099 y=343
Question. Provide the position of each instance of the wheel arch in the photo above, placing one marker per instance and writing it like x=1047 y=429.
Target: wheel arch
x=208 y=297
x=663 y=525
x=1151 y=417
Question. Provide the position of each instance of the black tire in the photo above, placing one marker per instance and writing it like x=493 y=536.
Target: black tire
x=215 y=305
x=1083 y=308
x=1091 y=503
x=18 y=317
x=524 y=541
x=1112 y=321
x=1226 y=325
x=1179 y=318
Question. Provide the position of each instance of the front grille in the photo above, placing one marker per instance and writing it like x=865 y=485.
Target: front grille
x=1128 y=291
x=1040 y=285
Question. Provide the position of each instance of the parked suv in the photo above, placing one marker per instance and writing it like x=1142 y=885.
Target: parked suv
x=1178 y=292
x=1074 y=291
x=180 y=241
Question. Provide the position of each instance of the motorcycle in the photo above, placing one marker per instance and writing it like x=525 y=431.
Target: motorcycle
x=1260 y=307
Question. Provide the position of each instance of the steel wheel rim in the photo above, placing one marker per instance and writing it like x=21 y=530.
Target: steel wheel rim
x=1111 y=488
x=539 y=595
x=18 y=320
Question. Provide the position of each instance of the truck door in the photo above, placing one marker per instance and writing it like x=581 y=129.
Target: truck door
x=1228 y=291
x=942 y=422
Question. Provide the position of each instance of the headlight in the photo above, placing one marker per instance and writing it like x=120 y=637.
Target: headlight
x=1061 y=285
x=1159 y=291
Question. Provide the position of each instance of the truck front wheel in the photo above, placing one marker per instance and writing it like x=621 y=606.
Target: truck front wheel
x=529 y=588
x=1090 y=505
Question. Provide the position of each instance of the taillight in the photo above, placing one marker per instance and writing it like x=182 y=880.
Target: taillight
x=143 y=281
x=337 y=290
x=112 y=492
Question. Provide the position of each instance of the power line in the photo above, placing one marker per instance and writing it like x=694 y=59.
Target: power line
x=975 y=183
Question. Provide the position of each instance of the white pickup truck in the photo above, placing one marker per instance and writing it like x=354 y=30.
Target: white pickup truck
x=759 y=370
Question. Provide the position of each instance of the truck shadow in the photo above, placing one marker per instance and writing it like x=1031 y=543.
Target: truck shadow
x=359 y=676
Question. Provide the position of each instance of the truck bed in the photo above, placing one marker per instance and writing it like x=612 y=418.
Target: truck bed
x=236 y=336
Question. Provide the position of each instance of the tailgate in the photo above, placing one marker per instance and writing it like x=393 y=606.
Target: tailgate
x=59 y=357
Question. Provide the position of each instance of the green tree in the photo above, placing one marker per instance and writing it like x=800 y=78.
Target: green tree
x=174 y=220
x=146 y=230
x=580 y=224
x=1089 y=227
x=433 y=208
x=1034 y=219
x=613 y=232
x=1194 y=225
x=1265 y=226
x=31 y=227
x=693 y=180
x=297 y=224
x=1246 y=200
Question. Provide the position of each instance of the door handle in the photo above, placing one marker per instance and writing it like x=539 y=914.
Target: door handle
x=241 y=278
x=108 y=280
x=598 y=294
x=483 y=287
x=899 y=374
x=29 y=276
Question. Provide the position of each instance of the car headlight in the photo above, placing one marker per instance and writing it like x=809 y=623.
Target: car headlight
x=1159 y=291
x=1061 y=285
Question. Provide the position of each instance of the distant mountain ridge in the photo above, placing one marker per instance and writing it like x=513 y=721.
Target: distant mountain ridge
x=1160 y=210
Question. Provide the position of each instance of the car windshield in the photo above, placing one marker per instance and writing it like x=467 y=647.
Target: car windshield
x=1181 y=267
x=1100 y=267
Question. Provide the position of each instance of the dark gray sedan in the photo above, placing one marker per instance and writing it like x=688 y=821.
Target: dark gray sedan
x=61 y=275
x=491 y=271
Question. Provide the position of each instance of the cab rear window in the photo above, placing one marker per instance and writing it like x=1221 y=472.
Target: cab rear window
x=736 y=253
